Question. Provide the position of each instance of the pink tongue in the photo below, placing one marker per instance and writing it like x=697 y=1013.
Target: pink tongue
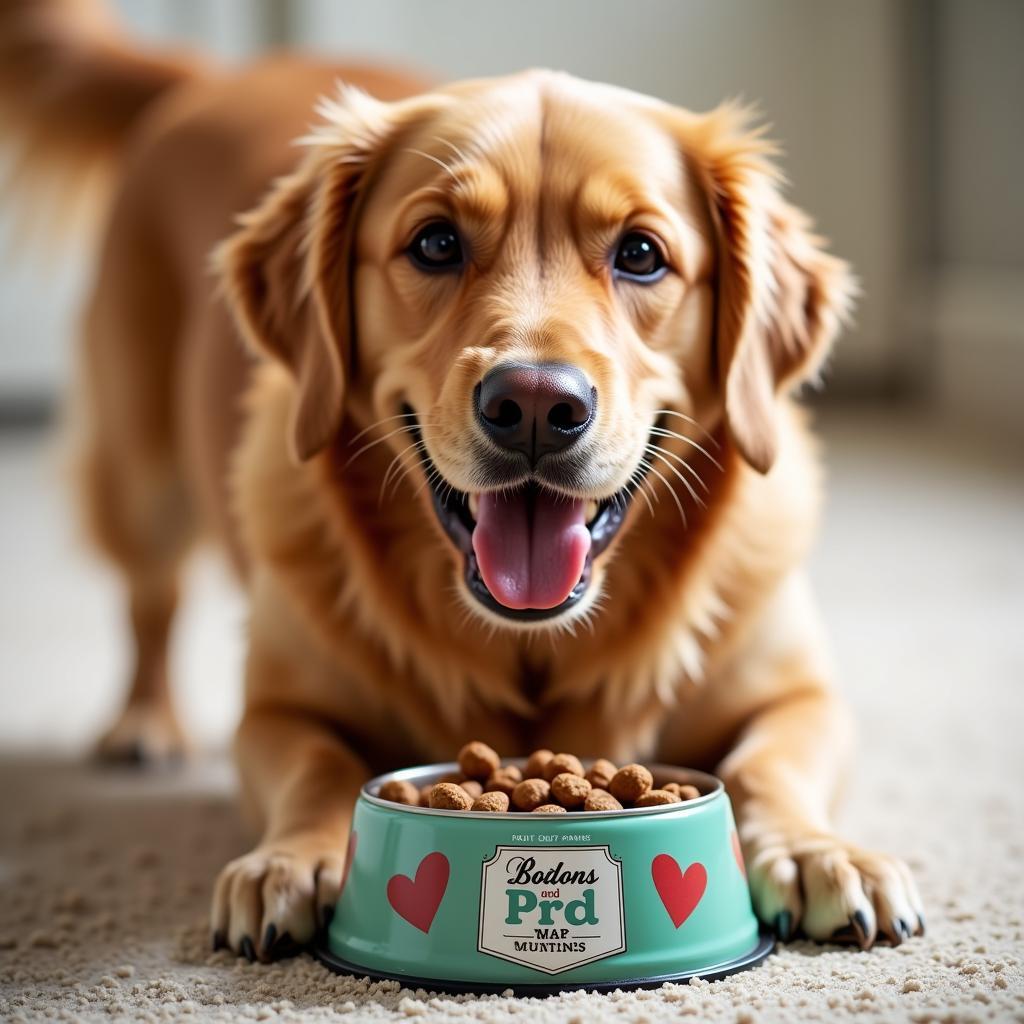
x=530 y=557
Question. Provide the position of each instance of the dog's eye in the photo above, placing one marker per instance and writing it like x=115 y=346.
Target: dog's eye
x=437 y=247
x=639 y=257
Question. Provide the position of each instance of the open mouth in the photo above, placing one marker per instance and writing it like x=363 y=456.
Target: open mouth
x=528 y=550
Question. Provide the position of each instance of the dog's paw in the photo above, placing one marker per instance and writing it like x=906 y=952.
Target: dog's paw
x=146 y=732
x=832 y=891
x=271 y=902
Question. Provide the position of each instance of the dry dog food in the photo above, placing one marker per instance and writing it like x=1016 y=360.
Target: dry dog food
x=563 y=764
x=504 y=780
x=653 y=797
x=549 y=783
x=600 y=774
x=571 y=791
x=600 y=800
x=531 y=794
x=536 y=763
x=400 y=792
x=630 y=783
x=478 y=761
x=494 y=801
x=450 y=797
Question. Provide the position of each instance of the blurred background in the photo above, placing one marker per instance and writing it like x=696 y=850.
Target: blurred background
x=902 y=126
x=903 y=136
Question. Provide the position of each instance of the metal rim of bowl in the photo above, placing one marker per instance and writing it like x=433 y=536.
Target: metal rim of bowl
x=710 y=786
x=764 y=947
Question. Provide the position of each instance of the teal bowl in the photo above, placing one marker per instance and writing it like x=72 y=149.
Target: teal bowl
x=471 y=901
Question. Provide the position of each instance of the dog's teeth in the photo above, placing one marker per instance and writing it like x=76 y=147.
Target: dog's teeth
x=592 y=508
x=474 y=505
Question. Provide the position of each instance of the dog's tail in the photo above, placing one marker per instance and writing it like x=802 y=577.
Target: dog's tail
x=71 y=88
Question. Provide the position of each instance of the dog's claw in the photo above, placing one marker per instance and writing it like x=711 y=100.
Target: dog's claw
x=283 y=946
x=277 y=946
x=859 y=923
x=921 y=928
x=784 y=925
x=248 y=950
x=219 y=941
x=897 y=931
x=857 y=930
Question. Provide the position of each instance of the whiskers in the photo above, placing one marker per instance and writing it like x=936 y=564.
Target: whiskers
x=383 y=419
x=663 y=456
x=404 y=468
x=692 y=422
x=668 y=487
x=406 y=428
x=642 y=487
x=676 y=464
x=665 y=432
x=399 y=467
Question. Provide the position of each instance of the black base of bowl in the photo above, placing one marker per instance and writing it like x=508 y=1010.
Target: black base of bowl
x=765 y=945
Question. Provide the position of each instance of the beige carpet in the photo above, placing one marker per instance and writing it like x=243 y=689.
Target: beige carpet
x=105 y=876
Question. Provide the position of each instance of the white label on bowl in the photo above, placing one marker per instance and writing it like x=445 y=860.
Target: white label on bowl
x=551 y=908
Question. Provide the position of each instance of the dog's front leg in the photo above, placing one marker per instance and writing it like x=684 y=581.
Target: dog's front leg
x=302 y=781
x=782 y=777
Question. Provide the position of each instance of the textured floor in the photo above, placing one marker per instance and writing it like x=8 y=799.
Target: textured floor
x=104 y=876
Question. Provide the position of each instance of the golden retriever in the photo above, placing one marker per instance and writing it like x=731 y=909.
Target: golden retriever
x=512 y=457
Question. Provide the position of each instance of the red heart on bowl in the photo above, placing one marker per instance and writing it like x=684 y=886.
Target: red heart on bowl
x=680 y=891
x=417 y=901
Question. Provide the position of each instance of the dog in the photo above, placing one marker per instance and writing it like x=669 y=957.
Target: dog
x=509 y=451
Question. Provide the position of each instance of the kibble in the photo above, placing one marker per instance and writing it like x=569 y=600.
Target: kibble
x=531 y=793
x=654 y=797
x=682 y=791
x=478 y=761
x=400 y=792
x=504 y=780
x=600 y=774
x=447 y=796
x=630 y=783
x=549 y=783
x=563 y=763
x=535 y=764
x=570 y=790
x=494 y=801
x=600 y=800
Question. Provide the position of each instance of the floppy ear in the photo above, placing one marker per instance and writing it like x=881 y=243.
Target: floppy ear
x=780 y=299
x=286 y=271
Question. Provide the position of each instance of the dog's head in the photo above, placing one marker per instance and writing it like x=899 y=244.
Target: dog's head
x=543 y=294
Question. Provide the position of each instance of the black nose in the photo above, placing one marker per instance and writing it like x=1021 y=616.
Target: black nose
x=535 y=408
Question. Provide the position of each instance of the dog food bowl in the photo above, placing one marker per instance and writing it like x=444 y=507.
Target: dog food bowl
x=463 y=901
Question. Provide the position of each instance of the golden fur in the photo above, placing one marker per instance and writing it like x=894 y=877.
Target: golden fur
x=697 y=643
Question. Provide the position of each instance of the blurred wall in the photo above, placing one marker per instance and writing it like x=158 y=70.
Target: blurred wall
x=888 y=111
x=973 y=261
x=41 y=290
